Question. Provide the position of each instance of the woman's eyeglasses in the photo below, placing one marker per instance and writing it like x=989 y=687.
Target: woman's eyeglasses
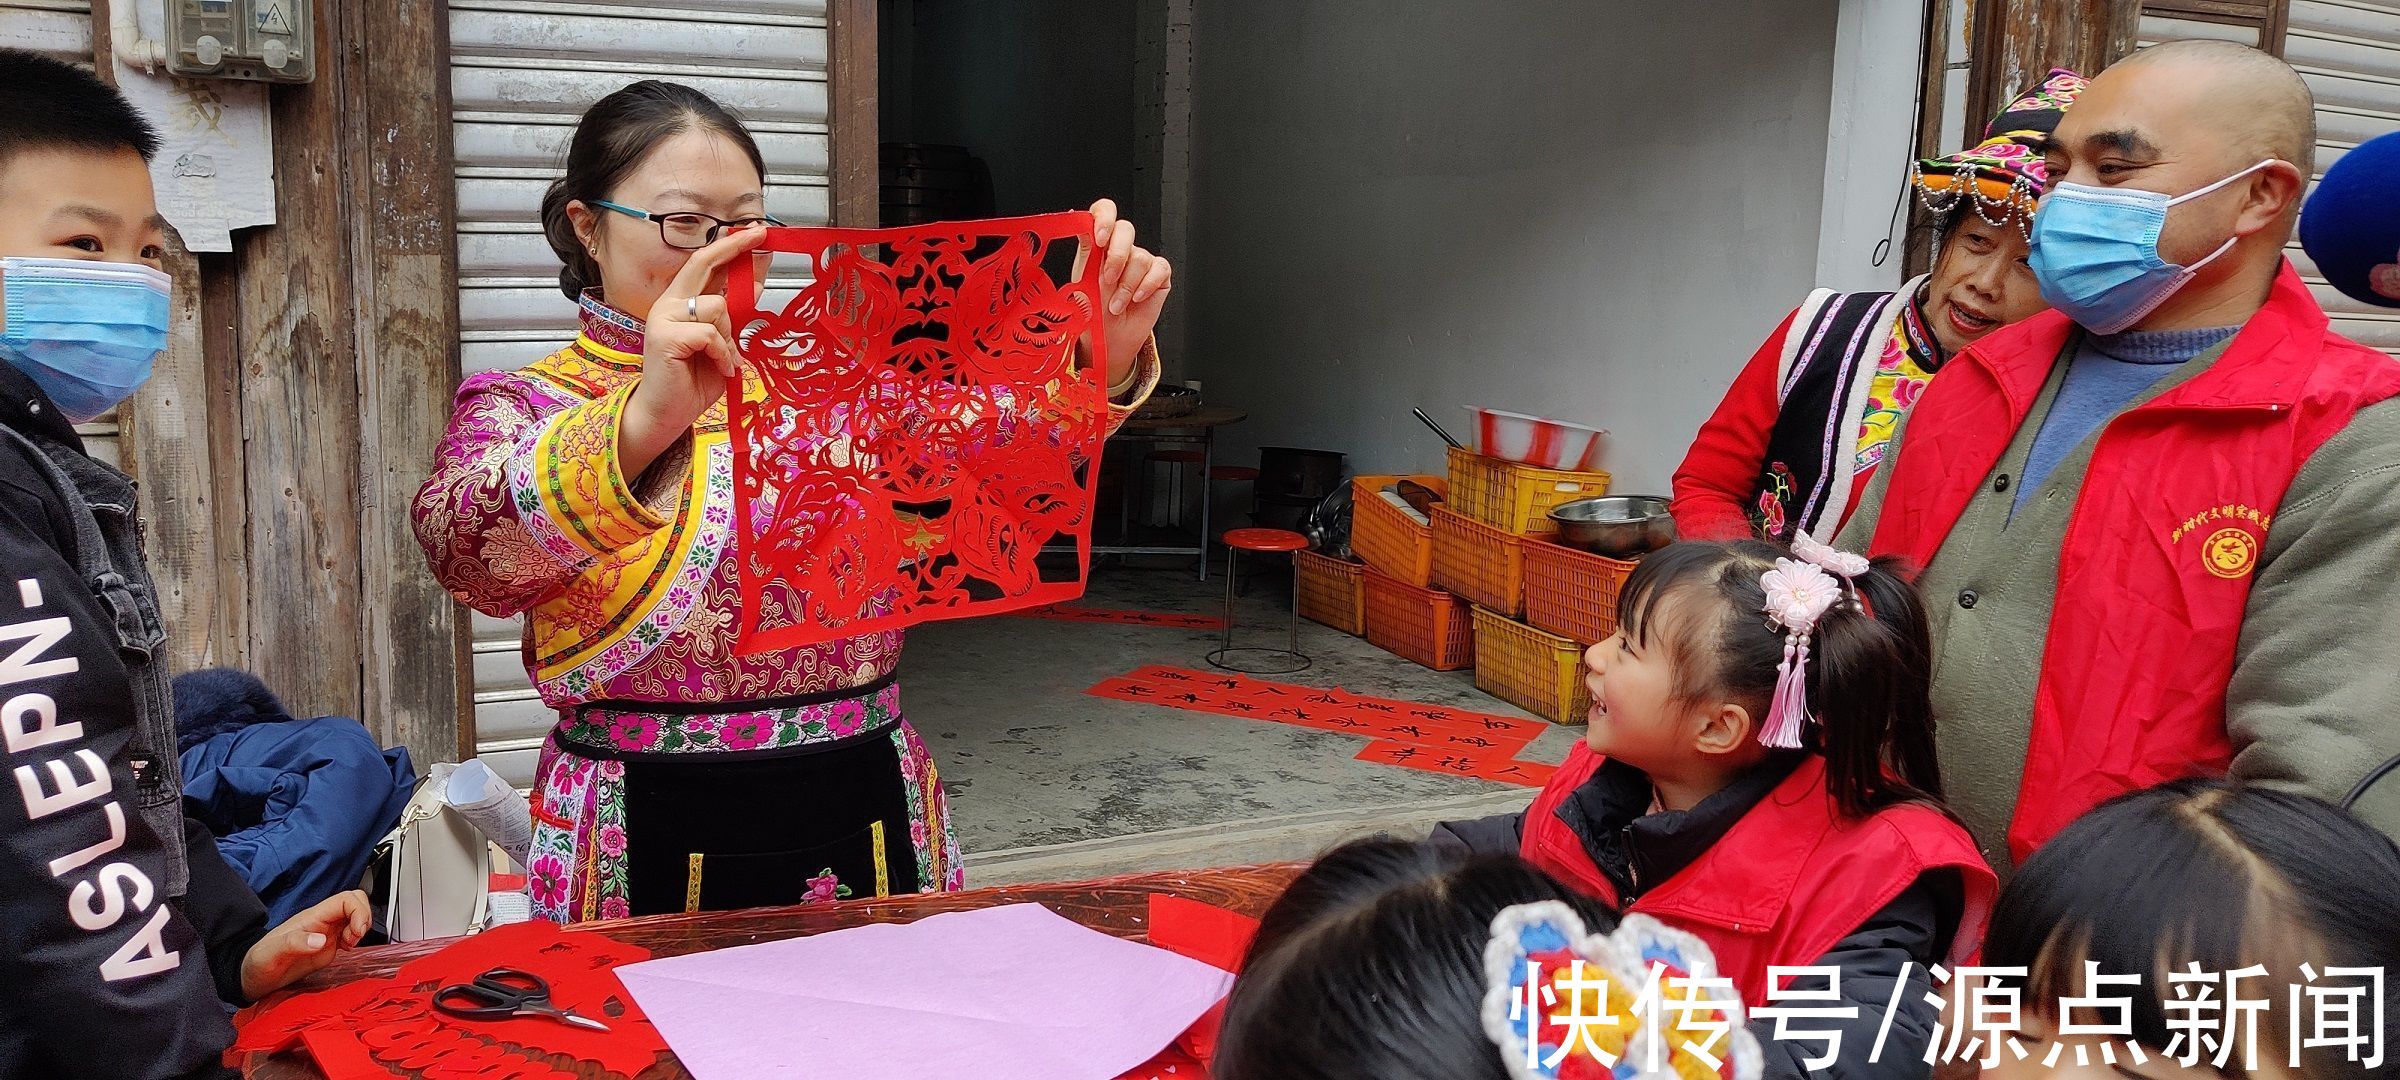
x=687 y=230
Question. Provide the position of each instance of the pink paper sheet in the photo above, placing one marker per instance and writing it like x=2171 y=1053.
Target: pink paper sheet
x=1005 y=993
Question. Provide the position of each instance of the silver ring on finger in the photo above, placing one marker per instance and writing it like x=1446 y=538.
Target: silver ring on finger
x=691 y=308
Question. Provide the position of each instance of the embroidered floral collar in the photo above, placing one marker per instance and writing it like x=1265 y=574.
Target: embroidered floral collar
x=610 y=329
x=1923 y=347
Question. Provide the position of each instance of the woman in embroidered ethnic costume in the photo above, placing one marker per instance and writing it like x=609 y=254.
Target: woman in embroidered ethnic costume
x=1809 y=419
x=593 y=492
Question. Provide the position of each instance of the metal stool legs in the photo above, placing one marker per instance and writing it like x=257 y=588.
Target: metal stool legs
x=1283 y=661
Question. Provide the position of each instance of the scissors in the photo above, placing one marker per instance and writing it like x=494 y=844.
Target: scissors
x=501 y=993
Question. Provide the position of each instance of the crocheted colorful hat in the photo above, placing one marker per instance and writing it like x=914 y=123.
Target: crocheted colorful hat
x=1642 y=1003
x=2004 y=175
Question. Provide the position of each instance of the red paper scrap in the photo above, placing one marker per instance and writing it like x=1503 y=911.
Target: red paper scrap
x=914 y=428
x=340 y=1056
x=1204 y=932
x=1171 y=619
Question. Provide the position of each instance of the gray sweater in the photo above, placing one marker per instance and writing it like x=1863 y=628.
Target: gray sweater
x=2314 y=700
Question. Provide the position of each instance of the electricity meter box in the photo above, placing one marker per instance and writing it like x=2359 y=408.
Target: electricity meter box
x=265 y=40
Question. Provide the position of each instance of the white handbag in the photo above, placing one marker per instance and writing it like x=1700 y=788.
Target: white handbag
x=436 y=868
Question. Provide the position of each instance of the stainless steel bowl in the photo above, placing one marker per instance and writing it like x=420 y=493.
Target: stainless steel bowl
x=1618 y=526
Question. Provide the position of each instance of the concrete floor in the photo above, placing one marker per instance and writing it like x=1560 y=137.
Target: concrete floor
x=1049 y=783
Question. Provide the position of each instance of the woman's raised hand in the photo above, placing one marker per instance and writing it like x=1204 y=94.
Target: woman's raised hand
x=1133 y=284
x=688 y=353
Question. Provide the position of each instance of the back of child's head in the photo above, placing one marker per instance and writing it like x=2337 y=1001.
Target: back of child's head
x=1371 y=966
x=1868 y=672
x=54 y=105
x=2213 y=874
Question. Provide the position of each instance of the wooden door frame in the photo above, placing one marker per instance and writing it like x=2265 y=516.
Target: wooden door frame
x=298 y=406
x=854 y=102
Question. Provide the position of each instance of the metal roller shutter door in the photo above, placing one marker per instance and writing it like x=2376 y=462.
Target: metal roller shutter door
x=2349 y=51
x=521 y=71
x=60 y=28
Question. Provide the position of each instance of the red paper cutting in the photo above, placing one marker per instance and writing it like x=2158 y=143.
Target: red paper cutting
x=392 y=1021
x=915 y=429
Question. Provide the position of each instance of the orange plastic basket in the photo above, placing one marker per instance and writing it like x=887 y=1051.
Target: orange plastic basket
x=1515 y=497
x=1537 y=672
x=1385 y=536
x=1572 y=593
x=1332 y=591
x=1425 y=625
x=1478 y=561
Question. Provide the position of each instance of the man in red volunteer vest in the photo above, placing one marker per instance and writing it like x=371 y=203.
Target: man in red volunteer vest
x=2180 y=553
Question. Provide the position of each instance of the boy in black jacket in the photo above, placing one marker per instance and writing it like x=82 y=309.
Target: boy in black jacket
x=123 y=934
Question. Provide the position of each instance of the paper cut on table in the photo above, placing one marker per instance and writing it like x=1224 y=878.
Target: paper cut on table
x=915 y=427
x=1005 y=993
x=391 y=1022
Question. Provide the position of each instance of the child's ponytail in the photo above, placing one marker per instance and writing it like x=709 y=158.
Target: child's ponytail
x=1870 y=677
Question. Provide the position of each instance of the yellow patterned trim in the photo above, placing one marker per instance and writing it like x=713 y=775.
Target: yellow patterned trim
x=576 y=473
x=883 y=870
x=1123 y=400
x=691 y=883
x=586 y=369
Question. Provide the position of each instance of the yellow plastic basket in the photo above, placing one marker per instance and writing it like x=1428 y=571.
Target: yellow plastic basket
x=1332 y=592
x=1517 y=498
x=1480 y=562
x=1424 y=625
x=1572 y=593
x=1385 y=536
x=1540 y=673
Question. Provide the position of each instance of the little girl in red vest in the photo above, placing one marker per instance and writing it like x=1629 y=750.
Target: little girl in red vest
x=1759 y=771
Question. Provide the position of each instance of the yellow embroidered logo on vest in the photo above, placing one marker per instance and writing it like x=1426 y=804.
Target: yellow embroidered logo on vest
x=2232 y=532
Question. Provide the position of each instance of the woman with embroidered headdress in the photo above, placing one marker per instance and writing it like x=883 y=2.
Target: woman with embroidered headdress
x=593 y=492
x=1807 y=421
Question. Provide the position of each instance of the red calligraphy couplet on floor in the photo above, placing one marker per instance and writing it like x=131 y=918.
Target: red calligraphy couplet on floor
x=1409 y=734
x=914 y=427
x=1172 y=620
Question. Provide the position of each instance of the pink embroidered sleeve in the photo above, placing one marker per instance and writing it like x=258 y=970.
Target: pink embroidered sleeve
x=524 y=495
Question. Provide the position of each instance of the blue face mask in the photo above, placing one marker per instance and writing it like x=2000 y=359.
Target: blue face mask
x=85 y=332
x=2095 y=252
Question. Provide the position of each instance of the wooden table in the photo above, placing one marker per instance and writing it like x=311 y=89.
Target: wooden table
x=1118 y=906
x=1199 y=428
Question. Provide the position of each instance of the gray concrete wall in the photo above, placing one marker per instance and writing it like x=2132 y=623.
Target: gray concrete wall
x=1593 y=210
x=1045 y=91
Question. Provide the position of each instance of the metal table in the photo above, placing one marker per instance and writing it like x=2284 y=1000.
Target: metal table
x=1197 y=429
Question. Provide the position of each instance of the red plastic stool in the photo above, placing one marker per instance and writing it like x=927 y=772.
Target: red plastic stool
x=1282 y=661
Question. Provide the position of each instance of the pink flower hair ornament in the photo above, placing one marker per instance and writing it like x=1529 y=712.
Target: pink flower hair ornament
x=1833 y=560
x=1798 y=594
